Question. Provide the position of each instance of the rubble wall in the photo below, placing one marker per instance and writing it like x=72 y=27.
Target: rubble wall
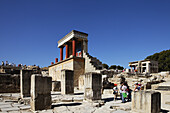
x=9 y=83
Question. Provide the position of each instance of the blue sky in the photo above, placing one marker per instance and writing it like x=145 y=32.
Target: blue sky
x=119 y=31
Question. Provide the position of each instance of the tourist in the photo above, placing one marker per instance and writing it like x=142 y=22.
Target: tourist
x=128 y=91
x=124 y=94
x=120 y=91
x=137 y=88
x=115 y=92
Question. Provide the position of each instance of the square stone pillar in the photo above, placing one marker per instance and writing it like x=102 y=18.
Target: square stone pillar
x=25 y=83
x=146 y=102
x=67 y=82
x=92 y=85
x=40 y=92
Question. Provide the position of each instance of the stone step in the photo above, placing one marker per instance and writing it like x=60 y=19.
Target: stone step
x=25 y=107
x=166 y=88
x=5 y=106
x=10 y=109
x=93 y=62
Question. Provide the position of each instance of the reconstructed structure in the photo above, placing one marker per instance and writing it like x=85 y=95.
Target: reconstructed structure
x=77 y=57
x=144 y=66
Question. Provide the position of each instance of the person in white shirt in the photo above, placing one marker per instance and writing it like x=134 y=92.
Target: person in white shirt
x=124 y=88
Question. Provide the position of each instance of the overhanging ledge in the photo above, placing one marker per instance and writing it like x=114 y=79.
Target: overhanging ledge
x=71 y=35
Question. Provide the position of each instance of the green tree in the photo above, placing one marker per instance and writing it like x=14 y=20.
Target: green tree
x=120 y=67
x=105 y=66
x=113 y=67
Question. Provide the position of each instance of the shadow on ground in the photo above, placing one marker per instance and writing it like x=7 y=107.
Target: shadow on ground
x=164 y=111
x=78 y=93
x=108 y=99
x=69 y=104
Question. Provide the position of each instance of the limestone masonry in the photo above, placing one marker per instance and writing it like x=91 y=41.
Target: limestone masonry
x=77 y=57
x=78 y=83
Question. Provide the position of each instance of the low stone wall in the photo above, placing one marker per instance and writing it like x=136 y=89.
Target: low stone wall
x=9 y=83
x=81 y=82
x=108 y=91
x=146 y=102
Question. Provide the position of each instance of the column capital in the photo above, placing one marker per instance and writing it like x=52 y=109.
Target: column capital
x=61 y=47
x=74 y=38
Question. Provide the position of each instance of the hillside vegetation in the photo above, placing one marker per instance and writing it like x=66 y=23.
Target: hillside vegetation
x=163 y=59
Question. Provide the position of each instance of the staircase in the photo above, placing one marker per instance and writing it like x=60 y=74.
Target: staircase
x=92 y=64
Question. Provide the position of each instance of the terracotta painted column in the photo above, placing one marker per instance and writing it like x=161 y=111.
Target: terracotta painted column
x=74 y=47
x=66 y=50
x=61 y=53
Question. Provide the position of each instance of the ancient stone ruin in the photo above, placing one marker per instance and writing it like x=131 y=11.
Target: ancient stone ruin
x=40 y=92
x=78 y=83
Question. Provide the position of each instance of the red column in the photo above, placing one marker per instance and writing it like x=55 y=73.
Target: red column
x=80 y=54
x=52 y=63
x=56 y=60
x=66 y=50
x=74 y=47
x=61 y=53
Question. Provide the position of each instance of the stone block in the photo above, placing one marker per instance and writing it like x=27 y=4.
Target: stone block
x=81 y=82
x=67 y=82
x=10 y=109
x=9 y=83
x=25 y=83
x=40 y=92
x=146 y=102
x=108 y=91
x=25 y=107
x=56 y=85
x=93 y=85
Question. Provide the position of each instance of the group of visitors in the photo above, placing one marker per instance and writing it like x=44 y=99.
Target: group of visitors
x=125 y=91
x=138 y=87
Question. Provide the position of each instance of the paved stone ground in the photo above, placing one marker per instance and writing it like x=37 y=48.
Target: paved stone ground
x=66 y=104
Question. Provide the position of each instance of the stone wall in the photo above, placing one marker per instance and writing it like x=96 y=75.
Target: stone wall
x=40 y=92
x=25 y=82
x=146 y=102
x=81 y=82
x=164 y=89
x=55 y=70
x=9 y=83
x=79 y=67
x=74 y=63
x=165 y=99
x=93 y=85
x=67 y=82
